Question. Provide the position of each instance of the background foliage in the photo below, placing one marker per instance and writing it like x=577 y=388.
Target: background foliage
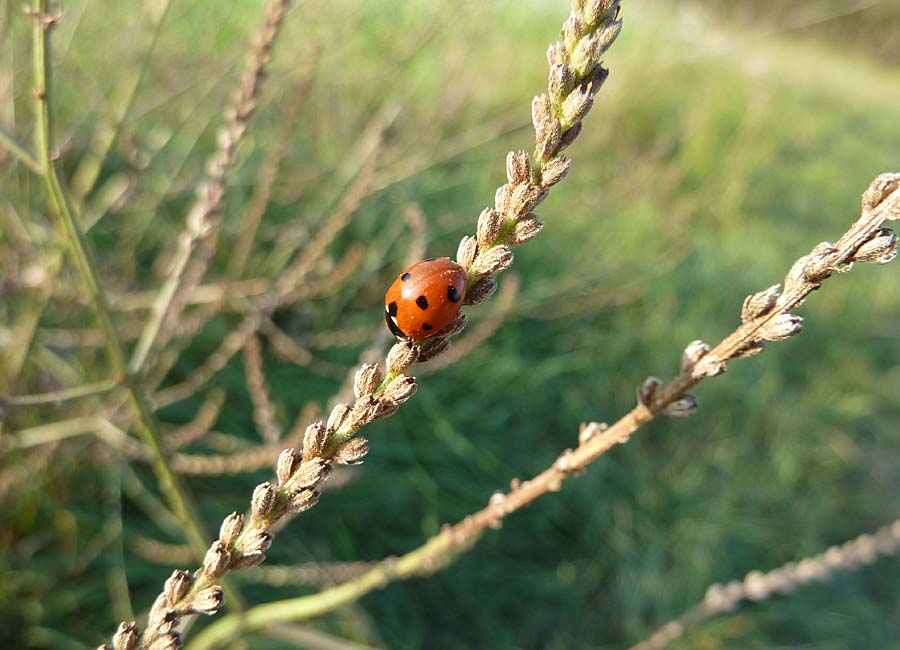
x=722 y=147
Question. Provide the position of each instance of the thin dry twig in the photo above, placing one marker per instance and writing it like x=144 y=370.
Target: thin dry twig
x=263 y=413
x=757 y=586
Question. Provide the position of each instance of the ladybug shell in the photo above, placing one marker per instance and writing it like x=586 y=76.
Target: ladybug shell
x=425 y=298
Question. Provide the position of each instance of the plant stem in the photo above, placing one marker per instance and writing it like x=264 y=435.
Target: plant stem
x=176 y=496
x=58 y=396
x=16 y=148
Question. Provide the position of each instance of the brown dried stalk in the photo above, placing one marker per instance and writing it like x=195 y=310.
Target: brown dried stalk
x=263 y=413
x=757 y=586
x=576 y=75
x=201 y=222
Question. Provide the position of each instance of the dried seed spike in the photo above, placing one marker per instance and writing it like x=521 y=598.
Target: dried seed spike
x=782 y=326
x=314 y=440
x=263 y=500
x=494 y=260
x=759 y=303
x=288 y=461
x=208 y=601
x=352 y=451
x=881 y=248
x=402 y=355
x=466 y=252
x=525 y=229
x=338 y=416
x=480 y=291
x=366 y=380
x=524 y=198
x=231 y=528
x=518 y=167
x=177 y=587
x=365 y=409
x=751 y=349
x=126 y=637
x=490 y=223
x=681 y=408
x=648 y=390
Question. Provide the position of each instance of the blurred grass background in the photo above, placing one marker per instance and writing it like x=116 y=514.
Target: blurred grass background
x=726 y=143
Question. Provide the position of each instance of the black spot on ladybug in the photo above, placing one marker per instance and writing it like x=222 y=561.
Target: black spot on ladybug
x=426 y=327
x=422 y=302
x=405 y=277
x=392 y=309
x=453 y=294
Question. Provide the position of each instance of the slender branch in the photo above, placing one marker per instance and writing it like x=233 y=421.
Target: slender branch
x=757 y=586
x=85 y=263
x=16 y=148
x=58 y=396
x=766 y=316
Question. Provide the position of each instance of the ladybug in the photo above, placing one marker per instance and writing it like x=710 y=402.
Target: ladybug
x=425 y=298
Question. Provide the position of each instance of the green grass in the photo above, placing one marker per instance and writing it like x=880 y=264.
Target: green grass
x=713 y=159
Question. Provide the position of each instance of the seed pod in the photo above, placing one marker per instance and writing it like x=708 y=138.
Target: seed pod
x=782 y=327
x=304 y=500
x=216 y=560
x=693 y=352
x=880 y=249
x=126 y=637
x=434 y=347
x=490 y=223
x=648 y=390
x=576 y=105
x=314 y=440
x=759 y=303
x=541 y=110
x=681 y=408
x=466 y=252
x=337 y=418
x=399 y=390
x=518 y=167
x=879 y=190
x=572 y=30
x=548 y=136
x=480 y=291
x=749 y=350
x=162 y=618
x=288 y=461
x=553 y=171
x=231 y=528
x=249 y=560
x=556 y=54
x=263 y=500
x=525 y=198
x=352 y=451
x=501 y=198
x=310 y=473
x=366 y=380
x=560 y=83
x=569 y=136
x=208 y=601
x=525 y=229
x=457 y=325
x=365 y=409
x=177 y=586
x=168 y=641
x=402 y=355
x=258 y=542
x=494 y=259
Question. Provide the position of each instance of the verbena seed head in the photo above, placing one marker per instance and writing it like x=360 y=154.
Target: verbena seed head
x=881 y=248
x=337 y=418
x=366 y=380
x=352 y=452
x=490 y=223
x=314 y=440
x=759 y=303
x=216 y=560
x=401 y=356
x=466 y=252
x=263 y=500
x=288 y=462
x=231 y=528
x=782 y=326
x=681 y=408
x=126 y=637
x=177 y=587
x=208 y=601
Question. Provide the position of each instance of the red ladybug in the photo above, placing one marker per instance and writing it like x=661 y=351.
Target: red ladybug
x=425 y=298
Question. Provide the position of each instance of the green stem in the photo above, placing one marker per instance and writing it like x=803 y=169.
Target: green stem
x=425 y=559
x=16 y=148
x=147 y=426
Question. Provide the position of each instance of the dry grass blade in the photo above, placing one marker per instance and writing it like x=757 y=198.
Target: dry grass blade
x=263 y=413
